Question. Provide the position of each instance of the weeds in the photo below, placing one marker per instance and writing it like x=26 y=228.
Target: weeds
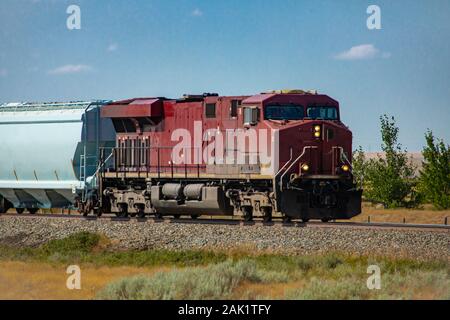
x=212 y=282
x=221 y=275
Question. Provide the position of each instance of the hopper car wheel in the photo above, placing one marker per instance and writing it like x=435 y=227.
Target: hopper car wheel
x=20 y=210
x=33 y=210
x=98 y=212
x=287 y=219
x=248 y=213
x=267 y=214
x=2 y=205
x=194 y=216
x=177 y=216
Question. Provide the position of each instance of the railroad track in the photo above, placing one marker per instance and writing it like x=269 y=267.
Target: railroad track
x=256 y=222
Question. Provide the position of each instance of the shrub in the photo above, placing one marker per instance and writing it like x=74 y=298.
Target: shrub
x=318 y=289
x=212 y=282
x=76 y=245
x=434 y=183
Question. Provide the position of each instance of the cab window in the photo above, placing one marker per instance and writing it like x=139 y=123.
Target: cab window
x=283 y=112
x=234 y=108
x=322 y=112
x=210 y=110
x=251 y=115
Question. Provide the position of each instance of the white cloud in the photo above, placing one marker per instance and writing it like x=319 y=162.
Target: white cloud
x=112 y=47
x=363 y=51
x=197 y=12
x=3 y=73
x=70 y=69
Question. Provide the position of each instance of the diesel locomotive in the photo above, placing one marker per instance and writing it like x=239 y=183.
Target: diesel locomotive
x=283 y=153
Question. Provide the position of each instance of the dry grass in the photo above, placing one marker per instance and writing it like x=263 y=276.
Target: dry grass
x=40 y=273
x=425 y=215
x=35 y=280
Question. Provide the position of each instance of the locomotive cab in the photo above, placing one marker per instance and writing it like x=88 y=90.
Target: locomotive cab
x=315 y=178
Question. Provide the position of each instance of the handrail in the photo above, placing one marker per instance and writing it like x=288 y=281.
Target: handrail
x=103 y=163
x=293 y=163
x=342 y=154
x=290 y=159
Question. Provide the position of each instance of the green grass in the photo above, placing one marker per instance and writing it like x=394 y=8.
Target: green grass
x=216 y=281
x=199 y=274
x=86 y=247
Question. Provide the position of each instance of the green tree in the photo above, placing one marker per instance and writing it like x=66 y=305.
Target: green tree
x=390 y=179
x=434 y=184
x=359 y=165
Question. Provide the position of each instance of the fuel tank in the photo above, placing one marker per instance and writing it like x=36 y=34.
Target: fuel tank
x=49 y=151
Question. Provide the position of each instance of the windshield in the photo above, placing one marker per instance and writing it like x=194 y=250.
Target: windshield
x=324 y=113
x=283 y=112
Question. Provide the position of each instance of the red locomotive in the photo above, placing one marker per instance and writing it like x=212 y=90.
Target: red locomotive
x=281 y=153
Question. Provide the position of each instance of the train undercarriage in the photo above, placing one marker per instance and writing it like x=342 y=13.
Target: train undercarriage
x=324 y=199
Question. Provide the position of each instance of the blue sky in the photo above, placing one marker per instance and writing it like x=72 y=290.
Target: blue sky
x=130 y=48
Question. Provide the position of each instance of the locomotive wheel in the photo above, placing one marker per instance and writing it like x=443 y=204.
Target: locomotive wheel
x=33 y=210
x=177 y=216
x=20 y=210
x=158 y=216
x=305 y=220
x=133 y=214
x=123 y=211
x=140 y=211
x=287 y=219
x=248 y=213
x=194 y=216
x=326 y=219
x=267 y=214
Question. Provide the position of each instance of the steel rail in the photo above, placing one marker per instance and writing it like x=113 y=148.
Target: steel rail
x=240 y=222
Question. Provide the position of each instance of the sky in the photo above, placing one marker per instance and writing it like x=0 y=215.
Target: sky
x=136 y=48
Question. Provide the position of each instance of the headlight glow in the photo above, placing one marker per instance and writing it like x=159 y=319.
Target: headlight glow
x=305 y=167
x=345 y=168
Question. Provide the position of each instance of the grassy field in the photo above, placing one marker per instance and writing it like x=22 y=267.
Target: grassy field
x=40 y=273
x=424 y=215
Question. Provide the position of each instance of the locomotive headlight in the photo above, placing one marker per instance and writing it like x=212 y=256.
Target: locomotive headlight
x=305 y=167
x=345 y=168
x=317 y=132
